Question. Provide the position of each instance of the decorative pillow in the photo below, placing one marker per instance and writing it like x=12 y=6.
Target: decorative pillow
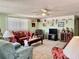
x=25 y=43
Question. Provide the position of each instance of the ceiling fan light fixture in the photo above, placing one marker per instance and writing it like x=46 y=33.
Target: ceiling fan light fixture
x=44 y=14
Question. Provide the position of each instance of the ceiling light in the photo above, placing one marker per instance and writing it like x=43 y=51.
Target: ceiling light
x=44 y=14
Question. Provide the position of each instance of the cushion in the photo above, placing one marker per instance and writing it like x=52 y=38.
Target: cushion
x=25 y=43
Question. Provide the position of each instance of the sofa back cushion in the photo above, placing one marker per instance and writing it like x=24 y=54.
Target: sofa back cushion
x=19 y=34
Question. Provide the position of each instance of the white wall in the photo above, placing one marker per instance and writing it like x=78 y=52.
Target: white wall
x=67 y=20
x=3 y=19
x=52 y=22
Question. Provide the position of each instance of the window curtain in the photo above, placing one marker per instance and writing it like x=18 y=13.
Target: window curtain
x=17 y=24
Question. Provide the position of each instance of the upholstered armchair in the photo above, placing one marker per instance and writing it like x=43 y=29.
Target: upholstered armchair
x=39 y=33
x=71 y=50
x=8 y=51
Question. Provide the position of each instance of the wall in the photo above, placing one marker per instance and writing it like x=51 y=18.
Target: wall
x=76 y=30
x=45 y=23
x=3 y=18
x=32 y=29
x=4 y=22
x=55 y=22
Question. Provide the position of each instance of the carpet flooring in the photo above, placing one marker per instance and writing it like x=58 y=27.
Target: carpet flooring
x=43 y=51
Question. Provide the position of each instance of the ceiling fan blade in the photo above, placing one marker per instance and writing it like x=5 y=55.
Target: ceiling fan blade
x=46 y=11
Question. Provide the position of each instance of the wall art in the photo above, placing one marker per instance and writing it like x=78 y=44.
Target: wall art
x=33 y=24
x=60 y=24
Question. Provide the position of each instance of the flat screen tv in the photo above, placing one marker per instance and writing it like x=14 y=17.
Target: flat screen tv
x=52 y=31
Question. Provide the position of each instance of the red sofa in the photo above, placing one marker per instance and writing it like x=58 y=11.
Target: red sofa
x=20 y=36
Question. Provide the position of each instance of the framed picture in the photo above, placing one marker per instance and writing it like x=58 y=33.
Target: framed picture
x=52 y=22
x=44 y=24
x=38 y=20
x=33 y=24
x=60 y=24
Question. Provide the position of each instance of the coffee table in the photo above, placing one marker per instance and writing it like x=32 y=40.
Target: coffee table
x=34 y=40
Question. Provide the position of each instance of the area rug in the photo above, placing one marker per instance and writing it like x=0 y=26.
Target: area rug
x=43 y=51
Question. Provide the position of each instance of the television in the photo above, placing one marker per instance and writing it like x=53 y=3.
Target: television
x=52 y=31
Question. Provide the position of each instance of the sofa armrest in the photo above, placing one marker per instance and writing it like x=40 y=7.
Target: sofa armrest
x=24 y=52
x=23 y=38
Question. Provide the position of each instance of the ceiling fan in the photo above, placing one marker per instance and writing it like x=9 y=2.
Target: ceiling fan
x=43 y=12
x=47 y=11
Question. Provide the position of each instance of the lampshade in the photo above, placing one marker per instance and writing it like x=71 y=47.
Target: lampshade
x=7 y=34
x=72 y=49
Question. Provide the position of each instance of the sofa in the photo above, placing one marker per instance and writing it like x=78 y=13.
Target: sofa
x=70 y=51
x=8 y=51
x=20 y=36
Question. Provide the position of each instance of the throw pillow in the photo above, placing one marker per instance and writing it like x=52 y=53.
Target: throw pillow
x=25 y=43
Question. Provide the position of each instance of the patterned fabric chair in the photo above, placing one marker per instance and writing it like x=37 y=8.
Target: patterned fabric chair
x=58 y=53
x=8 y=51
x=71 y=50
x=66 y=36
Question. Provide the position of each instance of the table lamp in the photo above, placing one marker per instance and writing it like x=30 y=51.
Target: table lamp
x=7 y=35
x=72 y=49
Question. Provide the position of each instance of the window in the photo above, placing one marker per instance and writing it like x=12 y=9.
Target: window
x=17 y=24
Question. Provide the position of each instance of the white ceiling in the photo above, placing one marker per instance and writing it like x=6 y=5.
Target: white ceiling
x=27 y=7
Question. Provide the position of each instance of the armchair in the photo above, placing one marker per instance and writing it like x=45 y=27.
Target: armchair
x=37 y=36
x=71 y=51
x=39 y=33
x=8 y=51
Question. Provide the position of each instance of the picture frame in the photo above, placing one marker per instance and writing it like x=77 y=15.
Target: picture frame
x=44 y=24
x=38 y=20
x=33 y=24
x=60 y=24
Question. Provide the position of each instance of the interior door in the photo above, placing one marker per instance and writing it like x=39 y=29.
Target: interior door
x=77 y=27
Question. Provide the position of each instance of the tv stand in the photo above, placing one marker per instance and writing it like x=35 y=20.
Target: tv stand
x=53 y=34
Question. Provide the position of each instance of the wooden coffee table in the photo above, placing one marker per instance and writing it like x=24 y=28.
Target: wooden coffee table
x=34 y=40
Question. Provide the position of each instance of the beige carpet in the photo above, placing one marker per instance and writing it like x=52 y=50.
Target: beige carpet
x=44 y=51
